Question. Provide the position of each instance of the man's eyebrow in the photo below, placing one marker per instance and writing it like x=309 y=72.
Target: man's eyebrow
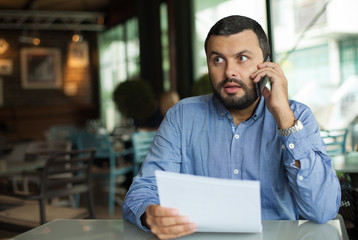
x=236 y=54
x=215 y=53
x=244 y=52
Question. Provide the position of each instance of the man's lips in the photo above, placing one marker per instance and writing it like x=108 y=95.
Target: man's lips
x=231 y=88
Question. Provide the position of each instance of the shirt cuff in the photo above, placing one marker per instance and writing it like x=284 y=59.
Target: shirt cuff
x=140 y=212
x=299 y=144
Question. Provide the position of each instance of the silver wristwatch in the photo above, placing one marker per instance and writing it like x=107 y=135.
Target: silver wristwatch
x=298 y=126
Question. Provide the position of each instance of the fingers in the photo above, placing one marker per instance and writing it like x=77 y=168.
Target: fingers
x=159 y=211
x=269 y=69
x=175 y=231
x=166 y=223
x=157 y=216
x=274 y=73
x=271 y=65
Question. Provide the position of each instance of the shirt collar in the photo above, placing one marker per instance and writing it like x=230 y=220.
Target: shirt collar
x=220 y=108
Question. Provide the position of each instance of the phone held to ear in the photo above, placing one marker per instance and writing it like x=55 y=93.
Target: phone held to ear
x=259 y=86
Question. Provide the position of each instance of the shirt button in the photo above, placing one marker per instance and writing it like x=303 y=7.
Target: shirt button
x=236 y=171
x=300 y=178
x=237 y=136
x=291 y=145
x=283 y=146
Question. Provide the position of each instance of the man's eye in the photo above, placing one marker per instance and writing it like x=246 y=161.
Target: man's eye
x=242 y=58
x=218 y=60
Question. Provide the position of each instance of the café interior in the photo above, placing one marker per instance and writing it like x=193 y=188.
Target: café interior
x=96 y=77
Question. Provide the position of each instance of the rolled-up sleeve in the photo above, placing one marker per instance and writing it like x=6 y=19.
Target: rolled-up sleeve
x=315 y=186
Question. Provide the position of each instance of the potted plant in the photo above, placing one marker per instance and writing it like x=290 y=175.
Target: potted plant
x=135 y=99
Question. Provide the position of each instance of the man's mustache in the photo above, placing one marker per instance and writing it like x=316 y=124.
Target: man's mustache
x=234 y=80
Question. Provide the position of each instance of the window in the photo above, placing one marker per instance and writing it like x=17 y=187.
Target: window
x=307 y=67
x=119 y=61
x=306 y=11
x=208 y=12
x=318 y=59
x=349 y=57
x=164 y=26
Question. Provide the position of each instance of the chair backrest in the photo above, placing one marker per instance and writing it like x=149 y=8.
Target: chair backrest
x=335 y=140
x=141 y=142
x=44 y=149
x=101 y=142
x=104 y=147
x=65 y=174
x=62 y=133
x=90 y=140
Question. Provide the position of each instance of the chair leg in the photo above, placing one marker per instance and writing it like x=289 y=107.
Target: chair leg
x=91 y=204
x=112 y=192
x=42 y=211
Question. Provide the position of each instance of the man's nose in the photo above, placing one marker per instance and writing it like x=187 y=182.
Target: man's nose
x=232 y=70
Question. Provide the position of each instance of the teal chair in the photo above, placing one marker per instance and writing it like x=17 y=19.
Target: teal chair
x=141 y=142
x=335 y=140
x=117 y=166
x=62 y=133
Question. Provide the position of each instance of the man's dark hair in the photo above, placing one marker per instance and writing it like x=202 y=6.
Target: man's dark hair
x=236 y=24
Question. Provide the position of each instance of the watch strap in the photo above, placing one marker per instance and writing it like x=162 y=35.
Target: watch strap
x=298 y=126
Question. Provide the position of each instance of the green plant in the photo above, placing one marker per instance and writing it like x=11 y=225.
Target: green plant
x=135 y=99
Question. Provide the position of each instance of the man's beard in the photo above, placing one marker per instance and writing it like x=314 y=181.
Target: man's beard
x=232 y=101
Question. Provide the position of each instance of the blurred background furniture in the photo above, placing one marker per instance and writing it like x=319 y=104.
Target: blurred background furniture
x=114 y=166
x=335 y=140
x=141 y=141
x=35 y=150
x=346 y=167
x=64 y=174
x=62 y=133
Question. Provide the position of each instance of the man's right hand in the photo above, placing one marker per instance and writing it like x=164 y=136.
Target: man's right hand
x=166 y=223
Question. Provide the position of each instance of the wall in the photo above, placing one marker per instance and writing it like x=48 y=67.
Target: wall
x=29 y=112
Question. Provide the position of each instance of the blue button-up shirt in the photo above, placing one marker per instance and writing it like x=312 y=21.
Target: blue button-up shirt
x=198 y=136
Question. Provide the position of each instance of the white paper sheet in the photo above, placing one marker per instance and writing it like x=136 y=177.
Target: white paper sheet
x=215 y=205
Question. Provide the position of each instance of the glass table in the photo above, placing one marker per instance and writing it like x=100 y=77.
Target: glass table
x=120 y=229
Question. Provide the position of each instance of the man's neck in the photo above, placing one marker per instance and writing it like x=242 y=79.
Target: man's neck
x=243 y=114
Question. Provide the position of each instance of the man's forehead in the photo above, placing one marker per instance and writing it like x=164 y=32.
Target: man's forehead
x=243 y=41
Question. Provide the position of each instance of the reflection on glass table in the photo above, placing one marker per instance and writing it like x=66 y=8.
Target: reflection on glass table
x=119 y=229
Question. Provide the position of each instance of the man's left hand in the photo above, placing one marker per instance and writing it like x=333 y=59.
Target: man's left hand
x=277 y=97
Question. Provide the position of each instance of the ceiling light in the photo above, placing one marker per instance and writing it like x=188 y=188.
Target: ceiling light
x=30 y=40
x=36 y=41
x=77 y=38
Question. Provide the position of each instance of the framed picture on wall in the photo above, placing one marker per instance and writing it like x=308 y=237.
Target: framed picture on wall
x=41 y=68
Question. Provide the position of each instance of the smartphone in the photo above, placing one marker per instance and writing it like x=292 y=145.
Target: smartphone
x=259 y=86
